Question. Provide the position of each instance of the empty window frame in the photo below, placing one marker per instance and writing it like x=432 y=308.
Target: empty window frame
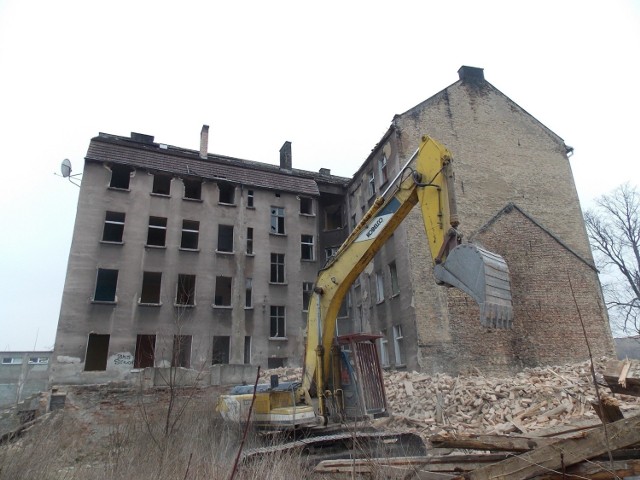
x=330 y=252
x=97 y=353
x=186 y=290
x=277 y=268
x=307 y=292
x=161 y=184
x=384 y=349
x=306 y=206
x=379 y=279
x=333 y=217
x=151 y=283
x=277 y=322
x=249 y=241
x=247 y=350
x=227 y=194
x=220 y=350
x=192 y=189
x=181 y=355
x=306 y=247
x=157 y=233
x=190 y=234
x=11 y=360
x=276 y=362
x=371 y=180
x=398 y=344
x=222 y=296
x=38 y=360
x=106 y=282
x=113 y=227
x=382 y=169
x=145 y=351
x=225 y=238
x=250 y=199
x=277 y=220
x=120 y=177
x=248 y=293
x=393 y=273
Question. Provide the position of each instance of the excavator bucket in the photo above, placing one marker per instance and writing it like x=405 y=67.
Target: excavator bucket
x=483 y=275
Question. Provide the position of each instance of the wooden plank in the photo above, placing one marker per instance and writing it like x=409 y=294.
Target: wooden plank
x=597 y=471
x=489 y=442
x=623 y=377
x=564 y=452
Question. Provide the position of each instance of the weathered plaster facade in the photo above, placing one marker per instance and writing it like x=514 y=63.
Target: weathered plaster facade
x=23 y=374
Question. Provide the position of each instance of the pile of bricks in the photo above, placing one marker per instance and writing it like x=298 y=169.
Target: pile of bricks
x=534 y=399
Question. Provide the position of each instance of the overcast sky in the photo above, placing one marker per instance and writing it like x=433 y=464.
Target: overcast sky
x=327 y=76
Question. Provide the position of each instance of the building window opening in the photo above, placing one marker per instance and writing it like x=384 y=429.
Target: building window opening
x=190 y=234
x=222 y=297
x=330 y=252
x=276 y=362
x=277 y=320
x=11 y=360
x=151 y=282
x=306 y=206
x=157 y=233
x=192 y=189
x=379 y=287
x=186 y=290
x=249 y=241
x=120 y=177
x=145 y=351
x=161 y=184
x=250 y=198
x=307 y=292
x=333 y=217
x=372 y=184
x=225 y=238
x=113 y=227
x=277 y=220
x=306 y=245
x=181 y=355
x=227 y=194
x=106 y=282
x=247 y=350
x=398 y=344
x=384 y=349
x=382 y=169
x=38 y=360
x=221 y=345
x=248 y=293
x=393 y=273
x=97 y=353
x=277 y=268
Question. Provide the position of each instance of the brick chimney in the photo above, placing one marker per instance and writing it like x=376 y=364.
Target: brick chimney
x=285 y=156
x=471 y=74
x=204 y=142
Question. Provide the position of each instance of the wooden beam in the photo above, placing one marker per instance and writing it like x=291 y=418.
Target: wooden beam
x=565 y=452
x=490 y=442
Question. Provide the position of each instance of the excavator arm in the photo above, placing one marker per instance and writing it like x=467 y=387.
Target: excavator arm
x=481 y=274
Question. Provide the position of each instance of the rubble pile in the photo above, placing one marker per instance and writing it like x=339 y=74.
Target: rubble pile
x=534 y=399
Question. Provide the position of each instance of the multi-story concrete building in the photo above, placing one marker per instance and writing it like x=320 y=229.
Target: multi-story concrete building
x=180 y=257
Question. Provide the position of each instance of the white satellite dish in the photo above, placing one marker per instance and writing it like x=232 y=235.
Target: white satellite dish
x=65 y=168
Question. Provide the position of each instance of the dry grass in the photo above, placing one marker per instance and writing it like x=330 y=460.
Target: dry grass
x=68 y=445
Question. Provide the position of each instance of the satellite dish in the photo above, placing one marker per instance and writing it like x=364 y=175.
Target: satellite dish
x=65 y=168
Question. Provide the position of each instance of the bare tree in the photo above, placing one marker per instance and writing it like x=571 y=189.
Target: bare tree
x=613 y=226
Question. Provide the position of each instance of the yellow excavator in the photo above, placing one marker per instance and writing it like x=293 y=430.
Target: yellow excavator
x=342 y=378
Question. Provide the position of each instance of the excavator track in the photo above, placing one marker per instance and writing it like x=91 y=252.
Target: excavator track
x=363 y=444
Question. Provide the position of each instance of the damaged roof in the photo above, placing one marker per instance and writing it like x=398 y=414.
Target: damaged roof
x=107 y=148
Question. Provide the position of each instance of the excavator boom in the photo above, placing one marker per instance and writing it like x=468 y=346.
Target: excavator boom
x=481 y=274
